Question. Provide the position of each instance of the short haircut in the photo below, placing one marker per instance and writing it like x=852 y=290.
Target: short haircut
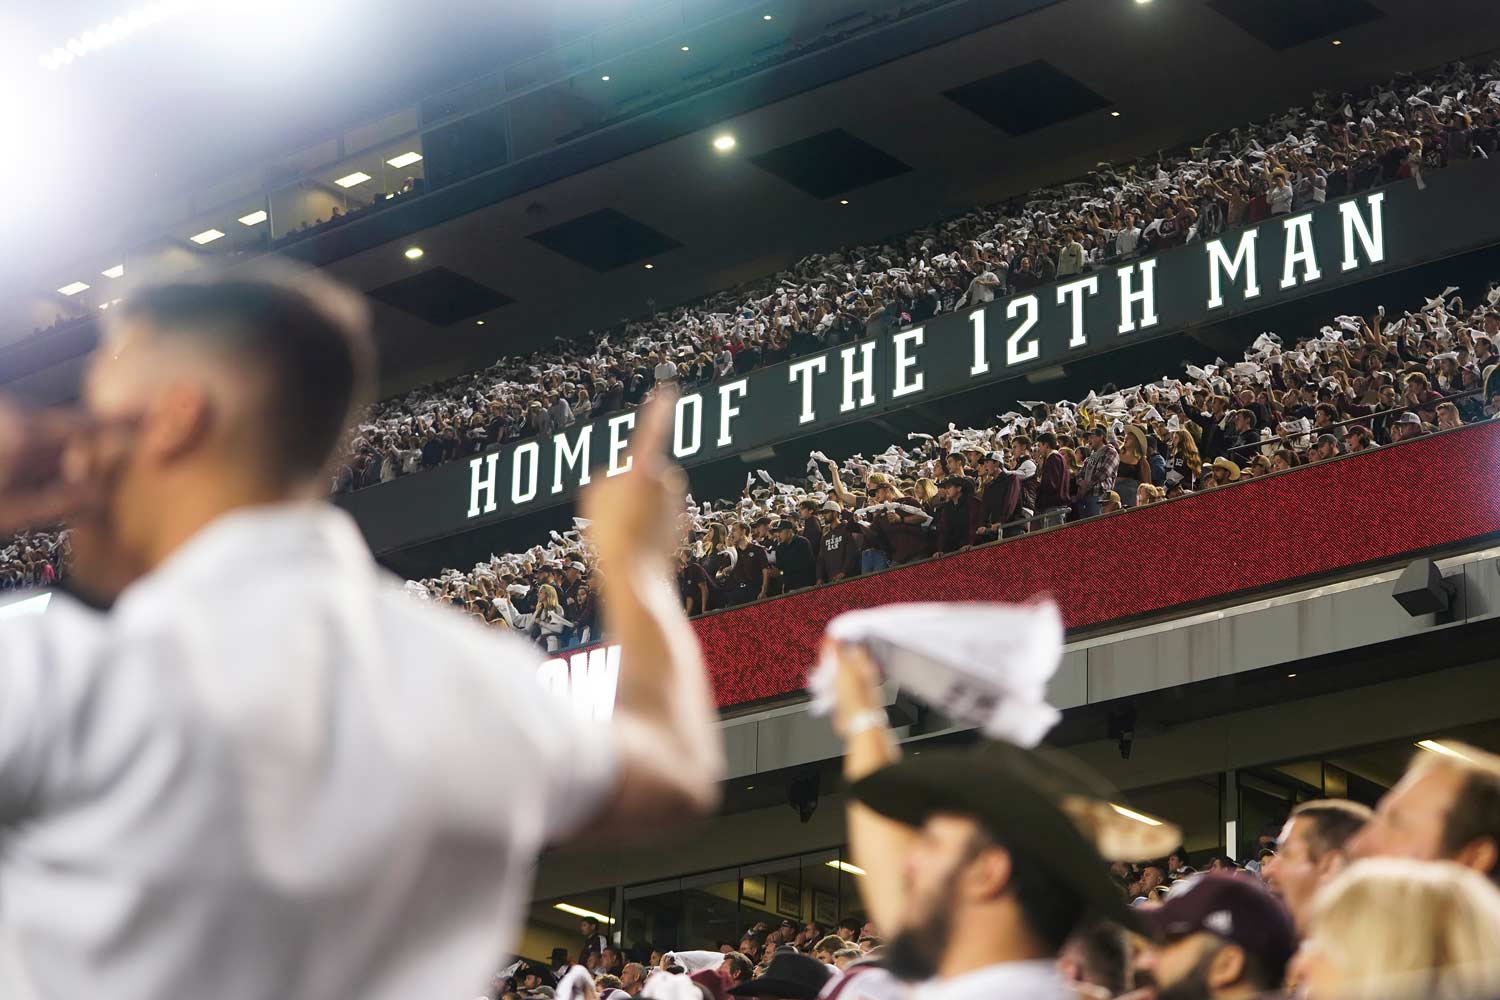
x=1047 y=438
x=736 y=964
x=832 y=943
x=854 y=953
x=309 y=335
x=1330 y=823
x=1476 y=808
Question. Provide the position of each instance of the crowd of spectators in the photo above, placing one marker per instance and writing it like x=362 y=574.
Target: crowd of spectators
x=1359 y=383
x=1335 y=146
x=1341 y=902
x=33 y=559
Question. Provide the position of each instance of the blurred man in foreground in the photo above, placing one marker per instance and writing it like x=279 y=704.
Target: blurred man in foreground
x=973 y=871
x=263 y=774
x=1445 y=808
x=1313 y=849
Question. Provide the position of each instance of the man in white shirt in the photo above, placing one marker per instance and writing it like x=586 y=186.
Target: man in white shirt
x=263 y=773
x=971 y=868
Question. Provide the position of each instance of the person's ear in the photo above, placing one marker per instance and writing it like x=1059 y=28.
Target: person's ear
x=1481 y=854
x=175 y=421
x=1227 y=967
x=989 y=874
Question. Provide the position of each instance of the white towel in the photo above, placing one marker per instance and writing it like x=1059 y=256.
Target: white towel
x=987 y=665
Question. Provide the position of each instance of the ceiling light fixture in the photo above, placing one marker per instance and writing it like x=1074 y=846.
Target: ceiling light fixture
x=479 y=322
x=605 y=78
x=845 y=866
x=207 y=236
x=405 y=159
x=1132 y=814
x=1337 y=42
x=1114 y=114
x=350 y=180
x=73 y=288
x=579 y=911
x=412 y=253
x=1433 y=746
x=686 y=49
x=765 y=17
x=650 y=266
x=118 y=271
x=108 y=33
x=843 y=201
x=724 y=143
x=254 y=218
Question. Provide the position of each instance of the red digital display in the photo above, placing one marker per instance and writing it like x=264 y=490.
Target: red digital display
x=1313 y=521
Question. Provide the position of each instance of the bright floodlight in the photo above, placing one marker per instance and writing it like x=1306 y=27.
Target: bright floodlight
x=118 y=271
x=405 y=159
x=724 y=143
x=412 y=253
x=109 y=33
x=350 y=180
x=255 y=218
x=73 y=288
x=207 y=236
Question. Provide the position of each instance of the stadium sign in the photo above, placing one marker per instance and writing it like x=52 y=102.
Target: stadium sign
x=586 y=679
x=1240 y=271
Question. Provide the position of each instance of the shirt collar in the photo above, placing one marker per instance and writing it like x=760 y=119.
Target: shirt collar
x=1037 y=979
x=287 y=535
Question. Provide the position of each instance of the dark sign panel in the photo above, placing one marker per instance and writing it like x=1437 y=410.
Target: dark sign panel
x=1281 y=259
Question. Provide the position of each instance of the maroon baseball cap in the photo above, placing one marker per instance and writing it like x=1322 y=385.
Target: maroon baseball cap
x=1230 y=907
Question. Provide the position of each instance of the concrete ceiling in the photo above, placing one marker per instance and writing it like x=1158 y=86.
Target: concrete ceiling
x=1176 y=70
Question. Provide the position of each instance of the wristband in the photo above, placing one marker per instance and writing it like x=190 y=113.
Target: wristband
x=873 y=718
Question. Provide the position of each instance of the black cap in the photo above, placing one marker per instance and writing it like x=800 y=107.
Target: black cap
x=1231 y=907
x=783 y=525
x=1016 y=798
x=790 y=975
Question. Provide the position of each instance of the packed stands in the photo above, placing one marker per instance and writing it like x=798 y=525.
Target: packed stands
x=1333 y=147
x=1360 y=383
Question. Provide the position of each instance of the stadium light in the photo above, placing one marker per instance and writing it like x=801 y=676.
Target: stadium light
x=207 y=236
x=579 y=911
x=255 y=218
x=405 y=159
x=650 y=267
x=118 y=271
x=724 y=143
x=843 y=201
x=1114 y=114
x=413 y=253
x=73 y=288
x=765 y=17
x=1132 y=814
x=605 y=78
x=351 y=180
x=845 y=866
x=686 y=49
x=1433 y=746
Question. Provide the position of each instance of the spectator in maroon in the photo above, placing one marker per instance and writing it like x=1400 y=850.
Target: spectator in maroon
x=839 y=556
x=807 y=510
x=1054 y=491
x=750 y=576
x=1000 y=498
x=793 y=558
x=959 y=515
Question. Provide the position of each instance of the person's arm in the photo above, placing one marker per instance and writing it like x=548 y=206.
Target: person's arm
x=876 y=844
x=664 y=710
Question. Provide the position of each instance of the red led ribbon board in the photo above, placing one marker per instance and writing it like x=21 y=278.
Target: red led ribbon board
x=1325 y=518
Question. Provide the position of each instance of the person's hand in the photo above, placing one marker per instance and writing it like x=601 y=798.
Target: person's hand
x=633 y=515
x=856 y=683
x=34 y=489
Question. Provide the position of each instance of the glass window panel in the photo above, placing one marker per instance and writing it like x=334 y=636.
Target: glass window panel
x=550 y=931
x=710 y=910
x=652 y=918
